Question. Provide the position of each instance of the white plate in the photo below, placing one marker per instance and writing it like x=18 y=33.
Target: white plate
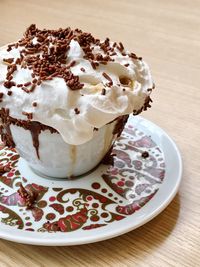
x=106 y=203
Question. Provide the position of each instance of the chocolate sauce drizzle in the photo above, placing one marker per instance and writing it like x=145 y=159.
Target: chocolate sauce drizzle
x=33 y=126
x=108 y=159
x=5 y=131
x=119 y=126
x=147 y=104
x=35 y=131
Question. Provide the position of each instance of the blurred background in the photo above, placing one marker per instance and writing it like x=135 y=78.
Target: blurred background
x=167 y=35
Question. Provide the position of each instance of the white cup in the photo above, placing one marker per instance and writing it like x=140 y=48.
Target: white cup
x=59 y=159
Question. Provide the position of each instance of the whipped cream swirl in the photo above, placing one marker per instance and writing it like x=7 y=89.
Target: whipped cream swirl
x=119 y=87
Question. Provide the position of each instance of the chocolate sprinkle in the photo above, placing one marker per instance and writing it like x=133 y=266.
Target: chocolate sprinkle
x=103 y=91
x=108 y=78
x=133 y=56
x=77 y=111
x=126 y=65
x=8 y=60
x=82 y=69
x=27 y=84
x=34 y=104
x=9 y=93
x=145 y=154
x=121 y=46
x=8 y=84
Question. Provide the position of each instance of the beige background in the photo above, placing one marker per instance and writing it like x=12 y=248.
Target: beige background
x=167 y=35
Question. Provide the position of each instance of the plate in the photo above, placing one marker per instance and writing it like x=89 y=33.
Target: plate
x=108 y=202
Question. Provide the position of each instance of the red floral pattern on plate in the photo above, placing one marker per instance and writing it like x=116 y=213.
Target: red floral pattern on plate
x=117 y=192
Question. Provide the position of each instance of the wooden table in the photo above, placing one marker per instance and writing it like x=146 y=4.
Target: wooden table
x=167 y=35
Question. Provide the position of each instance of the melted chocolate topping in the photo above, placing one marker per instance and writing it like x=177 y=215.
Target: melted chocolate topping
x=146 y=105
x=119 y=126
x=33 y=126
x=35 y=131
x=109 y=157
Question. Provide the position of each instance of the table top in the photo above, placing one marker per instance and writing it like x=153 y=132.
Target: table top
x=167 y=35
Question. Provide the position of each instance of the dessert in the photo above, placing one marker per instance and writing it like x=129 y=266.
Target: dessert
x=65 y=96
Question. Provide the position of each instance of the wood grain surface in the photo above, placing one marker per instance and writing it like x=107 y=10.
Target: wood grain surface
x=167 y=35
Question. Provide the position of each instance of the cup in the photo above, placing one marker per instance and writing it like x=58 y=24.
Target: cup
x=55 y=158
